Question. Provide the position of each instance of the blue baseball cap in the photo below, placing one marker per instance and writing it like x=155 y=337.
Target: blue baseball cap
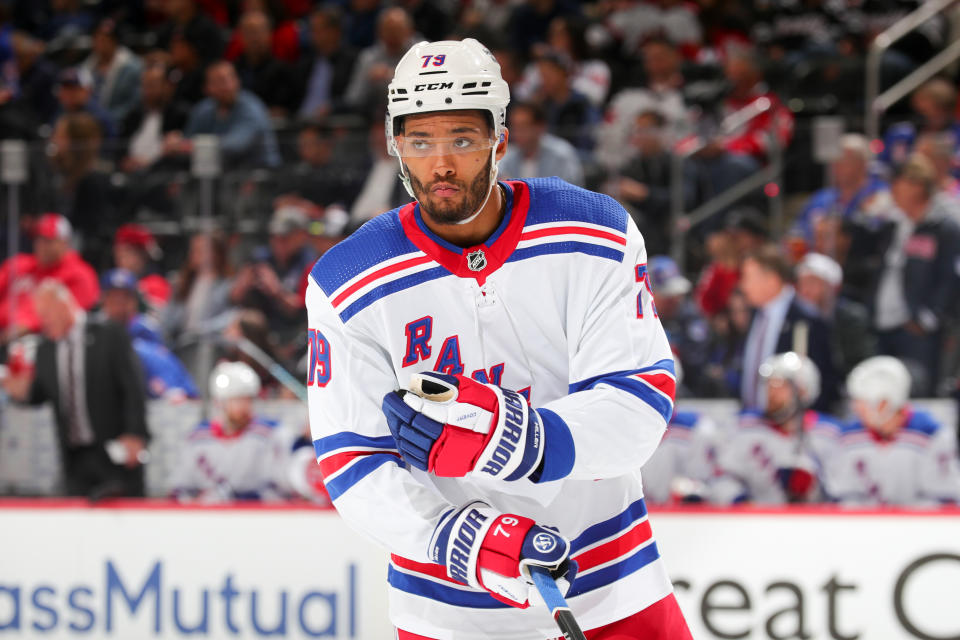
x=119 y=279
x=665 y=277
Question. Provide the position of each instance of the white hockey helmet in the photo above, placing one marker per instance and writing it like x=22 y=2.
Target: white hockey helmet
x=879 y=380
x=795 y=369
x=233 y=380
x=448 y=75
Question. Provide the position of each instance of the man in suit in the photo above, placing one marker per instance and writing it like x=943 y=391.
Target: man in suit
x=781 y=323
x=88 y=370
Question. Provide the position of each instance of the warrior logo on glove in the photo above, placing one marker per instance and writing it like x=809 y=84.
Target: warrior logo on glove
x=452 y=426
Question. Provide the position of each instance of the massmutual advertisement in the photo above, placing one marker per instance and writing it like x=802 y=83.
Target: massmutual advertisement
x=75 y=572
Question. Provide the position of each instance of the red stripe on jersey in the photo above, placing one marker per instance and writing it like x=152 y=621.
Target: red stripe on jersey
x=426 y=568
x=379 y=273
x=332 y=464
x=584 y=231
x=662 y=382
x=615 y=548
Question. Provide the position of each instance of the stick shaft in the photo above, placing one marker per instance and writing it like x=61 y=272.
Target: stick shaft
x=559 y=608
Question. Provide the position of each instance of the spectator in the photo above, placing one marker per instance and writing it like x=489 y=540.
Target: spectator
x=530 y=21
x=115 y=71
x=430 y=18
x=102 y=444
x=368 y=84
x=164 y=375
x=136 y=250
x=661 y=92
x=730 y=156
x=934 y=106
x=362 y=21
x=260 y=73
x=591 y=77
x=645 y=182
x=234 y=456
x=819 y=278
x=186 y=70
x=781 y=323
x=720 y=276
x=534 y=153
x=853 y=193
x=52 y=259
x=569 y=113
x=238 y=117
x=285 y=36
x=75 y=95
x=677 y=21
x=247 y=333
x=722 y=373
x=327 y=72
x=916 y=286
x=938 y=148
x=35 y=78
x=82 y=189
x=891 y=453
x=686 y=329
x=187 y=23
x=322 y=177
x=147 y=124
x=381 y=190
x=775 y=454
x=200 y=302
x=274 y=277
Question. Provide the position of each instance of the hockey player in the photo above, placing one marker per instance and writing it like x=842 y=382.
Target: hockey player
x=891 y=453
x=686 y=460
x=776 y=456
x=487 y=362
x=235 y=456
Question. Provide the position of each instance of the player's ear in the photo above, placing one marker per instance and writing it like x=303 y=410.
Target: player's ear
x=502 y=143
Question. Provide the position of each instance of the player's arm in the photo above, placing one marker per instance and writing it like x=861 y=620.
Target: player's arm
x=940 y=475
x=620 y=393
x=621 y=374
x=371 y=488
x=375 y=491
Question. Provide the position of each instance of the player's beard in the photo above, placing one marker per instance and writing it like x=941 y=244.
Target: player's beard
x=446 y=211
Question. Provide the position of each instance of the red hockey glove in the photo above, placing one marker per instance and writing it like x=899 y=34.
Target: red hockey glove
x=450 y=425
x=486 y=549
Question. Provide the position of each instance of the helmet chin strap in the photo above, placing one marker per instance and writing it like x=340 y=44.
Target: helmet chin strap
x=405 y=179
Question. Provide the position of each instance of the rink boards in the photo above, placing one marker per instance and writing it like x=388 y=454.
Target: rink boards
x=131 y=570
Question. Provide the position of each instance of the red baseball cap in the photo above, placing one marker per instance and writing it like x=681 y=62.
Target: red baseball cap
x=52 y=225
x=138 y=236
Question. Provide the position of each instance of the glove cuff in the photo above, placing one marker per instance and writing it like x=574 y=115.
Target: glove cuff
x=515 y=449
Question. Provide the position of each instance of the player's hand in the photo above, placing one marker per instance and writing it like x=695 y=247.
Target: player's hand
x=486 y=549
x=450 y=425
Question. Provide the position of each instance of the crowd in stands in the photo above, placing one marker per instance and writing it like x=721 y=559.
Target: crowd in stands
x=116 y=101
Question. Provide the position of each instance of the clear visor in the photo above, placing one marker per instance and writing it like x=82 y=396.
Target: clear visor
x=421 y=147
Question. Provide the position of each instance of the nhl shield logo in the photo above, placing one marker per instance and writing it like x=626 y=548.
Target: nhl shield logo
x=476 y=260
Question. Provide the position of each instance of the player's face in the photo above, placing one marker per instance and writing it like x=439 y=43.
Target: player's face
x=238 y=411
x=779 y=395
x=447 y=157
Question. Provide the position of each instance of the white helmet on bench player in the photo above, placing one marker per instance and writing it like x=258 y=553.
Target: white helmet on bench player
x=234 y=380
x=449 y=75
x=882 y=385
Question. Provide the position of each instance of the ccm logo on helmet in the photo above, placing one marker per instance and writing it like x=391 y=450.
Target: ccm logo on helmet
x=433 y=85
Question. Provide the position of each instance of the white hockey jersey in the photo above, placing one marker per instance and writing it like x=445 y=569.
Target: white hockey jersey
x=688 y=451
x=556 y=305
x=219 y=467
x=751 y=456
x=916 y=467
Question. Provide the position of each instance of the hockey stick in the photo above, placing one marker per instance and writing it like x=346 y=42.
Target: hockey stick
x=559 y=608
